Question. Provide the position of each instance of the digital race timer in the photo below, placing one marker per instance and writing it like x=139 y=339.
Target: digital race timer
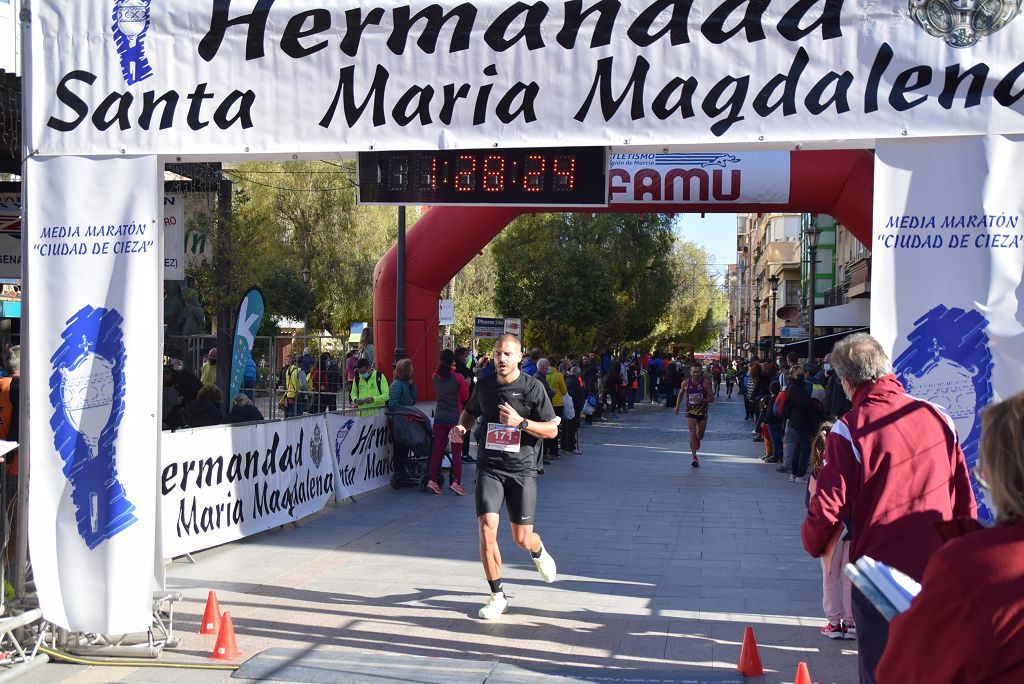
x=553 y=176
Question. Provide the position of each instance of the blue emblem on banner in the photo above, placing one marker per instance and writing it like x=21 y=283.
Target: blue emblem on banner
x=131 y=22
x=87 y=390
x=949 y=364
x=339 y=439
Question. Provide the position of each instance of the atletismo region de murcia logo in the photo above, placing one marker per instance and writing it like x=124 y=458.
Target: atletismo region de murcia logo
x=131 y=22
x=962 y=23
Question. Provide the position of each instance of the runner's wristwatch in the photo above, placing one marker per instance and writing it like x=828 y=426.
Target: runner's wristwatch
x=525 y=424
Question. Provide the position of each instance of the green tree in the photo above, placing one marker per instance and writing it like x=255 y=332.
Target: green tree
x=289 y=217
x=581 y=280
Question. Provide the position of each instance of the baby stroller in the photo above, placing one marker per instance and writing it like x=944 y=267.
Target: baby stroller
x=414 y=440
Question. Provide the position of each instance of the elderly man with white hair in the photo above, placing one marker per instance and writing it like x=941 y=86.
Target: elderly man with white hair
x=893 y=473
x=555 y=383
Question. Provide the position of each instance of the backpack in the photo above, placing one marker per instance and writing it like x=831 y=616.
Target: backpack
x=780 y=403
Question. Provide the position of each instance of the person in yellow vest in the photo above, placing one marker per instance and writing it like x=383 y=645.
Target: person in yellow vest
x=295 y=388
x=369 y=389
x=556 y=384
x=208 y=374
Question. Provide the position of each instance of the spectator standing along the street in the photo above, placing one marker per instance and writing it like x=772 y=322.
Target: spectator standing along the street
x=578 y=394
x=365 y=351
x=803 y=414
x=402 y=391
x=208 y=373
x=836 y=401
x=243 y=410
x=893 y=471
x=452 y=393
x=556 y=382
x=205 y=409
x=370 y=389
x=967 y=624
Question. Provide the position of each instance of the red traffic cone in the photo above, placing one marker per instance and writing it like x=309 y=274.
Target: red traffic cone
x=211 y=616
x=803 y=675
x=226 y=648
x=750 y=659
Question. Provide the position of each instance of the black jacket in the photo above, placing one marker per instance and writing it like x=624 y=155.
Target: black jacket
x=803 y=412
x=201 y=413
x=244 y=414
x=836 y=401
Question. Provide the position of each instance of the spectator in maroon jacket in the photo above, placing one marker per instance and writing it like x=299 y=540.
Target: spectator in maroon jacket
x=893 y=471
x=973 y=586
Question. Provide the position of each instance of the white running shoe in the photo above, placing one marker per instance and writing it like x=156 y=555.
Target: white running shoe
x=546 y=566
x=495 y=606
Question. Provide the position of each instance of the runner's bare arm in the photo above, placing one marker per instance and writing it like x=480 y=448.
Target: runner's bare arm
x=546 y=429
x=466 y=421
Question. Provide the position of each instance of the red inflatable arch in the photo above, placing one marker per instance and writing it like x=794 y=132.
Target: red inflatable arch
x=835 y=182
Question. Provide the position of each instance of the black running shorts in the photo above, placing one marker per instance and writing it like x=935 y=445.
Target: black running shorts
x=517 y=490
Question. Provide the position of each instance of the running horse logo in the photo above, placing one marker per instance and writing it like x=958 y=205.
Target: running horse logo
x=962 y=23
x=702 y=160
x=949 y=364
x=131 y=23
x=87 y=389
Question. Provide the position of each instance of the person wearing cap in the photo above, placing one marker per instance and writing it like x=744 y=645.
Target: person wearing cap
x=369 y=388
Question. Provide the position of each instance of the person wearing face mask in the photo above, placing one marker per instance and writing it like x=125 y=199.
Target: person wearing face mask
x=893 y=472
x=973 y=587
x=836 y=401
x=369 y=389
x=208 y=373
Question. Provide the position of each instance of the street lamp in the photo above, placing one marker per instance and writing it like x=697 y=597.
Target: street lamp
x=813 y=232
x=757 y=328
x=306 y=276
x=774 y=282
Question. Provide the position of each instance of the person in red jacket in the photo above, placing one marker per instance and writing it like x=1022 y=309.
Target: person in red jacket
x=893 y=471
x=973 y=587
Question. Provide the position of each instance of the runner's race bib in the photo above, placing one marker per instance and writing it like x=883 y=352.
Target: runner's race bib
x=695 y=398
x=501 y=437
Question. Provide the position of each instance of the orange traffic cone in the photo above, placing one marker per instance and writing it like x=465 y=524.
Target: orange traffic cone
x=226 y=648
x=211 y=616
x=750 y=659
x=803 y=675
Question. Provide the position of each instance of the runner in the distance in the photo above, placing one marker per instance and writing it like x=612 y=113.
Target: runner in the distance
x=516 y=417
x=698 y=394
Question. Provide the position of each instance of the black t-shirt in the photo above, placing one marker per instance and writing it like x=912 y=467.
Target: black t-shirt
x=527 y=396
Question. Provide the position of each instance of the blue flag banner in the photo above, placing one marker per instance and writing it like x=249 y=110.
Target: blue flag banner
x=250 y=315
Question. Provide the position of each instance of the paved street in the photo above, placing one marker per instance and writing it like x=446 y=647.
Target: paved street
x=660 y=569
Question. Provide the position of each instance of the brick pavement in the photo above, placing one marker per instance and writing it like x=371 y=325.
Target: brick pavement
x=660 y=568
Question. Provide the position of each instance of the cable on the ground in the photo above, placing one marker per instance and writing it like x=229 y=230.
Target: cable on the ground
x=133 y=663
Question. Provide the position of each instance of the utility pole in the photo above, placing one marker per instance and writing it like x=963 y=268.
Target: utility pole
x=222 y=269
x=400 y=289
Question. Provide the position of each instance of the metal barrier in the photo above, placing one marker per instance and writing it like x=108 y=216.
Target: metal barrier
x=269 y=353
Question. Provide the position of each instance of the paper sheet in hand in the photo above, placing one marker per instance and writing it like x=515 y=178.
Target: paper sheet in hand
x=7 y=447
x=890 y=590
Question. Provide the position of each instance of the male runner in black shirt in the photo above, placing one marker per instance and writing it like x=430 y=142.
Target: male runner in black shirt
x=517 y=417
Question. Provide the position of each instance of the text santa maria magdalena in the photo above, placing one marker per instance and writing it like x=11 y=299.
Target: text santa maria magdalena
x=615 y=87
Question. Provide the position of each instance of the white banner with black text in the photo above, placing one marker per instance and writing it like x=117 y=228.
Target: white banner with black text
x=248 y=77
x=948 y=259
x=362 y=452
x=94 y=276
x=223 y=483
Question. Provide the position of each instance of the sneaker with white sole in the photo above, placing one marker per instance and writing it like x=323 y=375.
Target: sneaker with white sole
x=849 y=630
x=832 y=631
x=792 y=478
x=546 y=566
x=496 y=605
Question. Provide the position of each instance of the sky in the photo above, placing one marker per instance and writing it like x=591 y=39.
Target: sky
x=714 y=232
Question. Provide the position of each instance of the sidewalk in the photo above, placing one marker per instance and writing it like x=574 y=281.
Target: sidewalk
x=661 y=566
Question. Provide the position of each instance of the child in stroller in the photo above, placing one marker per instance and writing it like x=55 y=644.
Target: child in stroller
x=413 y=438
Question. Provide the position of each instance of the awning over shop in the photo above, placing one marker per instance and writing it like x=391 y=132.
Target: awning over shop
x=822 y=345
x=855 y=313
